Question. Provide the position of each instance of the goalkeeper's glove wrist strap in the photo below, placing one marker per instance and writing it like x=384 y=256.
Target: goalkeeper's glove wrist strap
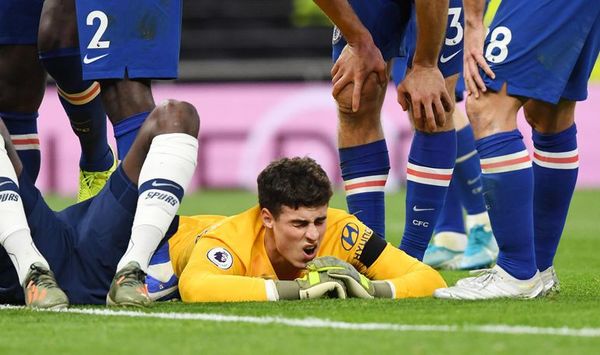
x=384 y=289
x=288 y=290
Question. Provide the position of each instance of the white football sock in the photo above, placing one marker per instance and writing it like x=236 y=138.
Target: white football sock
x=15 y=236
x=166 y=172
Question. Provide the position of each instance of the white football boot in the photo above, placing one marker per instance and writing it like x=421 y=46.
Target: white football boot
x=493 y=283
x=550 y=280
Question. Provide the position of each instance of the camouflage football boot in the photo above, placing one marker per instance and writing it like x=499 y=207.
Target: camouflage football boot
x=128 y=287
x=41 y=289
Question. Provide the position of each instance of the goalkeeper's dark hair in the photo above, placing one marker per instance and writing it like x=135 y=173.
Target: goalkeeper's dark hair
x=293 y=182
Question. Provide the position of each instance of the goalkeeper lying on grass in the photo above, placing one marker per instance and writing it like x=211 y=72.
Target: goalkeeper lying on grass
x=292 y=246
x=129 y=234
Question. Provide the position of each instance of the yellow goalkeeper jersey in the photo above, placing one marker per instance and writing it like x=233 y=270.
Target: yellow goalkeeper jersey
x=223 y=259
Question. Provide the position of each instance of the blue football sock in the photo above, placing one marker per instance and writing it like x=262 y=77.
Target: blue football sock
x=24 y=135
x=467 y=172
x=365 y=169
x=556 y=163
x=507 y=179
x=429 y=170
x=81 y=101
x=451 y=216
x=126 y=131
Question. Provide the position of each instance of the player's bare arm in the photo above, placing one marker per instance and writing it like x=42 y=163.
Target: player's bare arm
x=359 y=58
x=475 y=32
x=423 y=90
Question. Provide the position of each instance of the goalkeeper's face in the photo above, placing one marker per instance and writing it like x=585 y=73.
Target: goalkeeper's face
x=298 y=233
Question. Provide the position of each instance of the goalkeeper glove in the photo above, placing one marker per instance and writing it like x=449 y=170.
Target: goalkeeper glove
x=314 y=284
x=356 y=283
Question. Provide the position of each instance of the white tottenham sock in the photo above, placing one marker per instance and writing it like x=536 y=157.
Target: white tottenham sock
x=167 y=170
x=15 y=235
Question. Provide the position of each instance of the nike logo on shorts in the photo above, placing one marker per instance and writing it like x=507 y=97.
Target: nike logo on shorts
x=447 y=59
x=87 y=60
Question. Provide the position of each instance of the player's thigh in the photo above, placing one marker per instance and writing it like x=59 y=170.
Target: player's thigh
x=134 y=39
x=51 y=235
x=532 y=55
x=450 y=61
x=386 y=20
x=58 y=25
x=21 y=75
x=22 y=78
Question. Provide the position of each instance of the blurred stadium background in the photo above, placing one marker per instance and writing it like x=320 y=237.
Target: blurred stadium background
x=258 y=73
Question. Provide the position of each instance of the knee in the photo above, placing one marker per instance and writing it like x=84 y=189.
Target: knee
x=371 y=97
x=549 y=119
x=172 y=116
x=476 y=110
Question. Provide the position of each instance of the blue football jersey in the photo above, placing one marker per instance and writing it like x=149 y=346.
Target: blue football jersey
x=19 y=21
x=137 y=39
x=544 y=49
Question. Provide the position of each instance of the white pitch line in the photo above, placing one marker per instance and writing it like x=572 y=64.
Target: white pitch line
x=327 y=323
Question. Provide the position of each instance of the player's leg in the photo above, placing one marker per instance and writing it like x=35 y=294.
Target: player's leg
x=555 y=168
x=429 y=170
x=59 y=52
x=161 y=161
x=363 y=153
x=22 y=78
x=507 y=179
x=449 y=236
x=124 y=45
x=128 y=103
x=517 y=39
x=556 y=158
x=38 y=282
x=432 y=155
x=22 y=85
x=481 y=250
x=364 y=158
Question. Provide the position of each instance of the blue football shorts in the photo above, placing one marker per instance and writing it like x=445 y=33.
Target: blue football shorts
x=451 y=55
x=544 y=49
x=134 y=39
x=386 y=20
x=19 y=21
x=82 y=243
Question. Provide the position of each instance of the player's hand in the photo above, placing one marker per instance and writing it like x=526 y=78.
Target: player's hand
x=354 y=64
x=356 y=284
x=424 y=92
x=474 y=59
x=314 y=284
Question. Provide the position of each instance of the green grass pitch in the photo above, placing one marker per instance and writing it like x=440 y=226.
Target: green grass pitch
x=577 y=307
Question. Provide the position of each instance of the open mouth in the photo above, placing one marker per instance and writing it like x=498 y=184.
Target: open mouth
x=310 y=251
